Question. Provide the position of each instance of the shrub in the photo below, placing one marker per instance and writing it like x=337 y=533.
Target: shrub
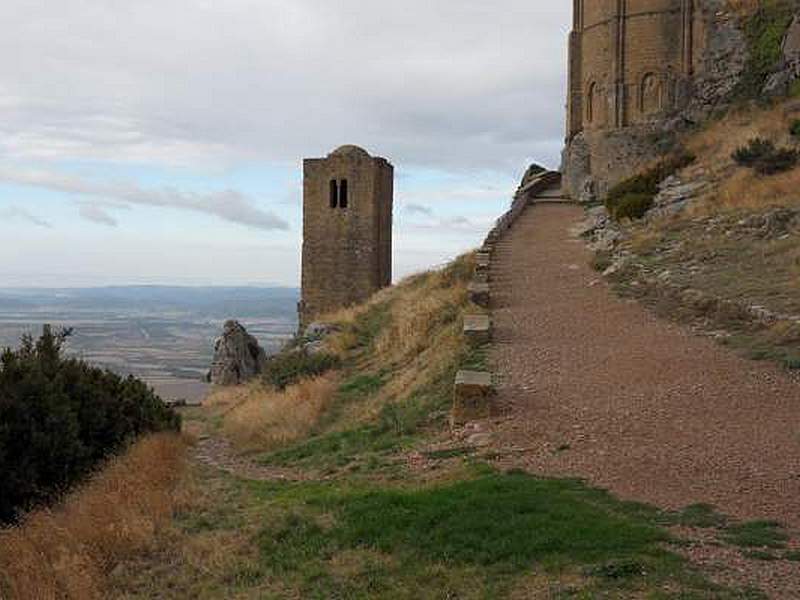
x=288 y=368
x=633 y=197
x=59 y=418
x=764 y=28
x=757 y=149
x=633 y=206
x=794 y=128
x=784 y=159
x=765 y=158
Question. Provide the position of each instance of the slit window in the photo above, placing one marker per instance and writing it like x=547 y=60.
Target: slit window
x=343 y=193
x=334 y=194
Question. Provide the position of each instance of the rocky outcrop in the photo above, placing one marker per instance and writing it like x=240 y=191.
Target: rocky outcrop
x=238 y=357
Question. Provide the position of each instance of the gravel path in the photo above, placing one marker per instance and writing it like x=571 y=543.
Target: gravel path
x=597 y=387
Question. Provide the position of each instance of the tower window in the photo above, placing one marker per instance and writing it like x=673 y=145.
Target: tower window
x=334 y=194
x=343 y=193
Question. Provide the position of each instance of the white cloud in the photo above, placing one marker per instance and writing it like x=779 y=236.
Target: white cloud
x=454 y=83
x=418 y=209
x=228 y=204
x=96 y=214
x=15 y=212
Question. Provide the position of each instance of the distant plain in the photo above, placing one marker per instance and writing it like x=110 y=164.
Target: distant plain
x=165 y=335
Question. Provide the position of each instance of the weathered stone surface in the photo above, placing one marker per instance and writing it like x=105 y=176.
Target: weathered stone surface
x=347 y=230
x=473 y=396
x=238 y=357
x=478 y=329
x=678 y=67
x=479 y=293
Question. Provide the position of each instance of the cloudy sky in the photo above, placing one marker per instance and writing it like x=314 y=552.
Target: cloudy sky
x=160 y=141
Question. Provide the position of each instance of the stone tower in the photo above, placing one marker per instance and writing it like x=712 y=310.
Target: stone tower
x=632 y=67
x=347 y=230
x=631 y=61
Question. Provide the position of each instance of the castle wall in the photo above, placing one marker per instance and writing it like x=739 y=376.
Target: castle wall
x=637 y=67
x=346 y=250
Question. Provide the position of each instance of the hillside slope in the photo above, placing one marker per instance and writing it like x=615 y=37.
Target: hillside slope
x=338 y=476
x=720 y=249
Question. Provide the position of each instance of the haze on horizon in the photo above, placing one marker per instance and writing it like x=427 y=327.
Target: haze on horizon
x=159 y=142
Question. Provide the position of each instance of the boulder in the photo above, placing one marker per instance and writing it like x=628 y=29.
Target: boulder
x=238 y=357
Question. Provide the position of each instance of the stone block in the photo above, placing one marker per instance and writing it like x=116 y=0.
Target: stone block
x=479 y=293
x=481 y=275
x=478 y=329
x=473 y=396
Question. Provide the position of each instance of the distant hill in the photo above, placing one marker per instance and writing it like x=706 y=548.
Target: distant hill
x=207 y=301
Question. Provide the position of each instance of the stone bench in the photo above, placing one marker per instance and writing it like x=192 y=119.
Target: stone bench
x=473 y=396
x=478 y=329
x=479 y=293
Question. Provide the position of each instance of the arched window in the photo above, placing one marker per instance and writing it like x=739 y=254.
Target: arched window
x=334 y=197
x=343 y=200
x=651 y=95
x=338 y=193
x=591 y=102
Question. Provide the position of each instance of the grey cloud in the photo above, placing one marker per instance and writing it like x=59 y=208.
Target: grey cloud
x=96 y=214
x=452 y=84
x=229 y=205
x=15 y=212
x=412 y=208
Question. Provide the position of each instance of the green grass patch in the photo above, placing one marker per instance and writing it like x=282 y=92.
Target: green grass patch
x=633 y=197
x=756 y=534
x=473 y=538
x=477 y=358
x=703 y=516
x=764 y=31
x=288 y=368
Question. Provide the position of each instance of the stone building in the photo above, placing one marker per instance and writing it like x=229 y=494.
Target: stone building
x=638 y=70
x=347 y=230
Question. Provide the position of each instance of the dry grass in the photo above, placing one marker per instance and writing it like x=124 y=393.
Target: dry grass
x=738 y=188
x=744 y=8
x=257 y=417
x=68 y=552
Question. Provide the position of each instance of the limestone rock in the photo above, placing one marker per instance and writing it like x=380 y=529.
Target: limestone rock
x=238 y=357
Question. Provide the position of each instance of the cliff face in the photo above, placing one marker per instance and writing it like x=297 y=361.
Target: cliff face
x=628 y=107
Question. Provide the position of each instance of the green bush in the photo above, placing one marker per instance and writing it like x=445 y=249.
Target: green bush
x=765 y=31
x=634 y=196
x=633 y=206
x=756 y=150
x=59 y=418
x=765 y=158
x=784 y=159
x=794 y=128
x=288 y=368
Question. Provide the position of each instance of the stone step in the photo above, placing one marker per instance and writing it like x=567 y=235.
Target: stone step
x=473 y=396
x=479 y=293
x=478 y=329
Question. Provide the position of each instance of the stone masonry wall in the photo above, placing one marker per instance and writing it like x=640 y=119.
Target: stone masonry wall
x=639 y=71
x=346 y=250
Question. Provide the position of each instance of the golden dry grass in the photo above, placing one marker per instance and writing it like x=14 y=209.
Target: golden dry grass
x=67 y=552
x=257 y=417
x=737 y=188
x=744 y=8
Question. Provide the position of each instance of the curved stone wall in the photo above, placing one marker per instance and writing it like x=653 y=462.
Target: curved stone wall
x=631 y=61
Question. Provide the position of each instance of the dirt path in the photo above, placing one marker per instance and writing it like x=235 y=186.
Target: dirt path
x=598 y=387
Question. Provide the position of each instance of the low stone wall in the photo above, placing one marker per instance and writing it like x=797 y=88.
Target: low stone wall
x=474 y=390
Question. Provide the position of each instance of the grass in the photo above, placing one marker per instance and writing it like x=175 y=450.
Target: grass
x=706 y=266
x=257 y=417
x=479 y=537
x=756 y=534
x=764 y=26
x=69 y=551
